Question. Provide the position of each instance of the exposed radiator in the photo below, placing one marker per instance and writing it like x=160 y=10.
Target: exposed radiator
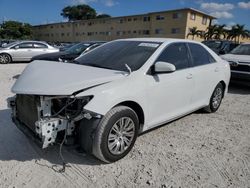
x=26 y=110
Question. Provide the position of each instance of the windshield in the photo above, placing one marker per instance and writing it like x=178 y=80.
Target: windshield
x=213 y=44
x=243 y=49
x=115 y=55
x=78 y=48
x=10 y=44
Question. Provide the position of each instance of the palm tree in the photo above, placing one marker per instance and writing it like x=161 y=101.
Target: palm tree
x=238 y=31
x=219 y=31
x=210 y=32
x=194 y=32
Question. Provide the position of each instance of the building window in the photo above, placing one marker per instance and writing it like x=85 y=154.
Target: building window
x=62 y=34
x=83 y=33
x=51 y=27
x=159 y=31
x=192 y=16
x=129 y=19
x=159 y=17
x=119 y=33
x=204 y=20
x=146 y=32
x=129 y=32
x=146 y=18
x=135 y=19
x=62 y=26
x=77 y=33
x=175 y=30
x=177 y=15
x=121 y=21
x=134 y=32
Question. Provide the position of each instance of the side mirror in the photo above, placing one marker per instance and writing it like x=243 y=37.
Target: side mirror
x=161 y=67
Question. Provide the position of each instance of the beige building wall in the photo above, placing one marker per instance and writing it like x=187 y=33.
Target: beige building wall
x=167 y=24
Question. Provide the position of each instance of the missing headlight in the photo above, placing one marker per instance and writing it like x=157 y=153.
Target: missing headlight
x=69 y=107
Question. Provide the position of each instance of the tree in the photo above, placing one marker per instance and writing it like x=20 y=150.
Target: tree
x=238 y=31
x=194 y=32
x=219 y=31
x=210 y=32
x=103 y=16
x=15 y=30
x=81 y=12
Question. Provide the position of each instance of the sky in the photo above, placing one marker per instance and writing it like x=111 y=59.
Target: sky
x=38 y=12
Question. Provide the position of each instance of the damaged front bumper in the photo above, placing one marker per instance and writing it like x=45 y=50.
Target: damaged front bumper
x=46 y=128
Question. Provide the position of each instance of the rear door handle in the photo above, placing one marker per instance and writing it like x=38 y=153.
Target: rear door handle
x=216 y=69
x=189 y=76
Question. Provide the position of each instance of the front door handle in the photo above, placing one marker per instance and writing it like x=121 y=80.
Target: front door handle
x=189 y=76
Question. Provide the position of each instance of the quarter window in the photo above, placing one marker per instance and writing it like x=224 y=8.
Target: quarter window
x=200 y=55
x=177 y=54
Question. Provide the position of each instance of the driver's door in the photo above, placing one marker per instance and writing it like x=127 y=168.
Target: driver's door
x=22 y=52
x=169 y=94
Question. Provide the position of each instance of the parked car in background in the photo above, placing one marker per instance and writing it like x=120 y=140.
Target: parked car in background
x=66 y=46
x=110 y=95
x=5 y=42
x=239 y=60
x=220 y=46
x=70 y=54
x=24 y=51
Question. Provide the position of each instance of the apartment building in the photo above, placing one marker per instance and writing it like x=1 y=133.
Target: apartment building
x=169 y=24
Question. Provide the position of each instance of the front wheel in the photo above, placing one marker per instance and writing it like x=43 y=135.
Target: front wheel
x=5 y=58
x=215 y=99
x=116 y=134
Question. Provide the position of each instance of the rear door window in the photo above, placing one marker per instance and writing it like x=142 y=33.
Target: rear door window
x=40 y=45
x=200 y=55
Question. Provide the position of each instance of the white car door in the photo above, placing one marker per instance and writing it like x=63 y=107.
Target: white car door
x=169 y=94
x=206 y=74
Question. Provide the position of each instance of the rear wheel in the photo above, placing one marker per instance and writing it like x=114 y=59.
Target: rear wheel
x=116 y=134
x=215 y=99
x=5 y=58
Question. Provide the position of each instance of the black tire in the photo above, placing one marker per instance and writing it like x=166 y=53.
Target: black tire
x=5 y=58
x=102 y=142
x=216 y=98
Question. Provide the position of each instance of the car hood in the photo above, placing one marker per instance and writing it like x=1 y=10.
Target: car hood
x=238 y=58
x=55 y=78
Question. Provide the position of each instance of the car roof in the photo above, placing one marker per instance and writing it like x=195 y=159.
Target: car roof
x=162 y=40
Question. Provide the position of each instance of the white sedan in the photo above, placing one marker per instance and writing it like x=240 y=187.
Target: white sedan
x=110 y=95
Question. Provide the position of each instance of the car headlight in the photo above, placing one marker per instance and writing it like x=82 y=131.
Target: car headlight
x=70 y=107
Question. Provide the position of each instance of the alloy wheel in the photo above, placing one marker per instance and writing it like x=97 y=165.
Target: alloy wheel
x=121 y=135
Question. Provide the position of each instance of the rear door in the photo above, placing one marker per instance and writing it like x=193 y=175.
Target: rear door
x=206 y=74
x=39 y=48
